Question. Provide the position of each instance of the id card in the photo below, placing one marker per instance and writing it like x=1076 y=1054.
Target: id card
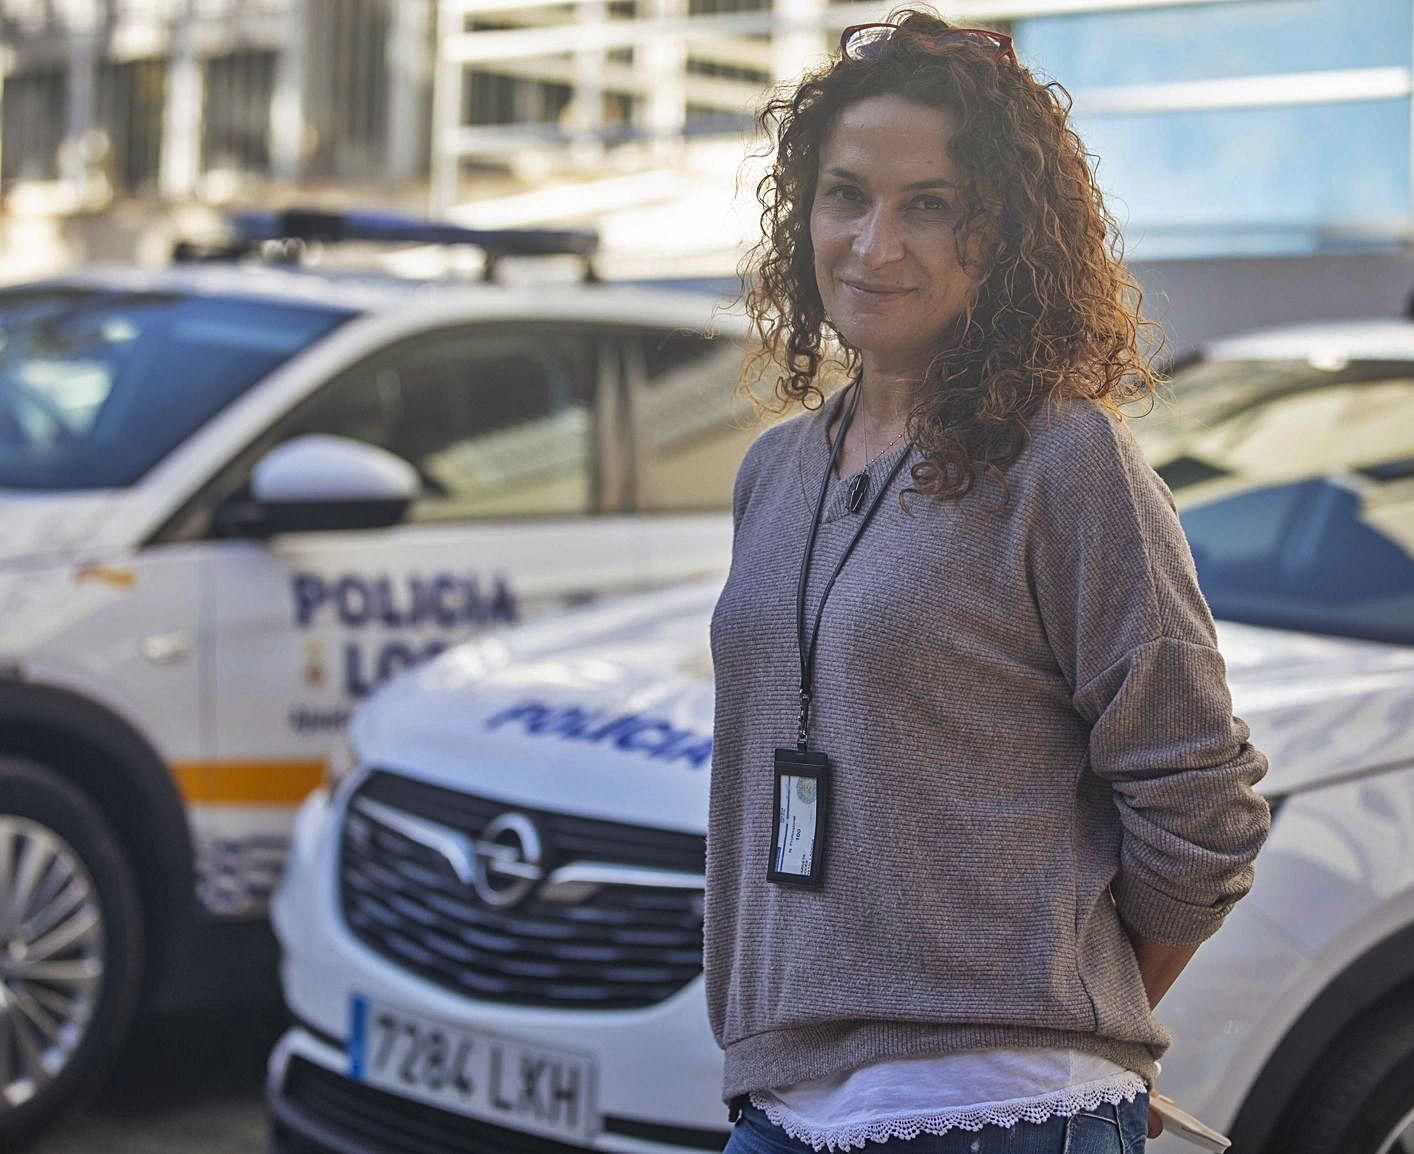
x=801 y=801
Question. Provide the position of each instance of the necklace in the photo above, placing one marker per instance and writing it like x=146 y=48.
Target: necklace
x=859 y=485
x=870 y=460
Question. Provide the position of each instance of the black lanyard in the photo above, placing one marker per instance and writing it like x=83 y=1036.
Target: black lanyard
x=807 y=654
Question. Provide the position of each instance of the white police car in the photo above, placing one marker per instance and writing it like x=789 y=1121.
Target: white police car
x=492 y=923
x=234 y=499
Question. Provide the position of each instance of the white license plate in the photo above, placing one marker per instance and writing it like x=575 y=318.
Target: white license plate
x=514 y=1083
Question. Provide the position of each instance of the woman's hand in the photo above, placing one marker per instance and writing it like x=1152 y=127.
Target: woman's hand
x=1159 y=966
x=1156 y=1124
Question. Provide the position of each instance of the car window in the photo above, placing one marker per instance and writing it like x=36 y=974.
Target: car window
x=1295 y=484
x=96 y=386
x=690 y=429
x=498 y=424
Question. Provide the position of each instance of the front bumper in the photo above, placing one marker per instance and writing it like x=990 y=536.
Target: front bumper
x=642 y=1106
x=316 y=1109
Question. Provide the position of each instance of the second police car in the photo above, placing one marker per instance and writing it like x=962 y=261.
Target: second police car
x=235 y=496
x=492 y=923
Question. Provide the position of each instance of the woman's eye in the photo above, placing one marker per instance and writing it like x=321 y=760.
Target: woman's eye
x=933 y=204
x=843 y=192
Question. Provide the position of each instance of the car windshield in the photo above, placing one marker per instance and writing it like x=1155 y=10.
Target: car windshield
x=1294 y=480
x=97 y=386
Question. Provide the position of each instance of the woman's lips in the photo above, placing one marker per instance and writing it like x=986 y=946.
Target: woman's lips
x=874 y=292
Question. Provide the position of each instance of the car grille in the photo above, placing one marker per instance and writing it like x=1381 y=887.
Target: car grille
x=621 y=947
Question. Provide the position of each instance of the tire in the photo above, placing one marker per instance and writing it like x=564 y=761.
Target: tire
x=82 y=912
x=1363 y=1097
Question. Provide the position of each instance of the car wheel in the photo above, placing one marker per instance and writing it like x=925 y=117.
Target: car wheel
x=71 y=947
x=1363 y=1101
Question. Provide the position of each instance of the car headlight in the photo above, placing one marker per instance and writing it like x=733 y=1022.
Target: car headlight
x=342 y=761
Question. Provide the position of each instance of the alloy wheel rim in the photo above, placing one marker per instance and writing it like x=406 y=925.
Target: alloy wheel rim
x=51 y=957
x=1400 y=1140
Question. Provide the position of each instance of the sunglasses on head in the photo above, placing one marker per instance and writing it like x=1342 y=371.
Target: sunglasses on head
x=864 y=42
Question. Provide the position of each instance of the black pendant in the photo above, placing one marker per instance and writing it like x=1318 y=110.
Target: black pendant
x=858 y=490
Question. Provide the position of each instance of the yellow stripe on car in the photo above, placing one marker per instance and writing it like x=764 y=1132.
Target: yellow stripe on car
x=247 y=782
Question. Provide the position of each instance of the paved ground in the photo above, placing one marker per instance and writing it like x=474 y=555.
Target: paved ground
x=183 y=1085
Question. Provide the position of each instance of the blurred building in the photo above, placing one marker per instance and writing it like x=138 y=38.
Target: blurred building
x=1260 y=131
x=177 y=99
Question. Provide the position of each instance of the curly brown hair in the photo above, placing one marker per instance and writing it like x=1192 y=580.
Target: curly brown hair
x=1057 y=312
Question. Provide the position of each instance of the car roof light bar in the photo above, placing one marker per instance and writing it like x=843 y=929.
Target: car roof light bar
x=297 y=227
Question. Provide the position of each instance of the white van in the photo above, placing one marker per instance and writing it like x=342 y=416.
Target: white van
x=492 y=924
x=236 y=497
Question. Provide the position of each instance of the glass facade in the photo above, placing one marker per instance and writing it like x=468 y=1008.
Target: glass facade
x=1204 y=148
x=1218 y=41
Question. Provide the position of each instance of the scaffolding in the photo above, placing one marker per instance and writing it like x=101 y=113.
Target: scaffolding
x=574 y=80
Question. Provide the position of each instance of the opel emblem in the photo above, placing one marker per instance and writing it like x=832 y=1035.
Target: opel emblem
x=509 y=860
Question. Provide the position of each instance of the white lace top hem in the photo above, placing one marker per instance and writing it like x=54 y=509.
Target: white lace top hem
x=1123 y=1085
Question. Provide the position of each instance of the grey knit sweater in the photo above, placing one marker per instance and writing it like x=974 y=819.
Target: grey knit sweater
x=1031 y=737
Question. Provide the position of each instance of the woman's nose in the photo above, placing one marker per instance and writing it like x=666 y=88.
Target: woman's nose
x=879 y=239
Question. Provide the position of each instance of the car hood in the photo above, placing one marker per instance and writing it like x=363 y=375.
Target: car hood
x=39 y=529
x=1321 y=708
x=619 y=694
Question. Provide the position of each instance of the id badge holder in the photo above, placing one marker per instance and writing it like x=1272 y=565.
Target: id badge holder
x=800 y=804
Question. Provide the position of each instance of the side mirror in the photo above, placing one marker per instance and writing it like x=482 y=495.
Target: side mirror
x=319 y=482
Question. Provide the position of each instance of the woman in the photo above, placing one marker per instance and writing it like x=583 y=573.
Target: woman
x=977 y=791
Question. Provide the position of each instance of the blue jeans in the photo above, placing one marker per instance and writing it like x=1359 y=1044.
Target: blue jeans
x=1107 y=1129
